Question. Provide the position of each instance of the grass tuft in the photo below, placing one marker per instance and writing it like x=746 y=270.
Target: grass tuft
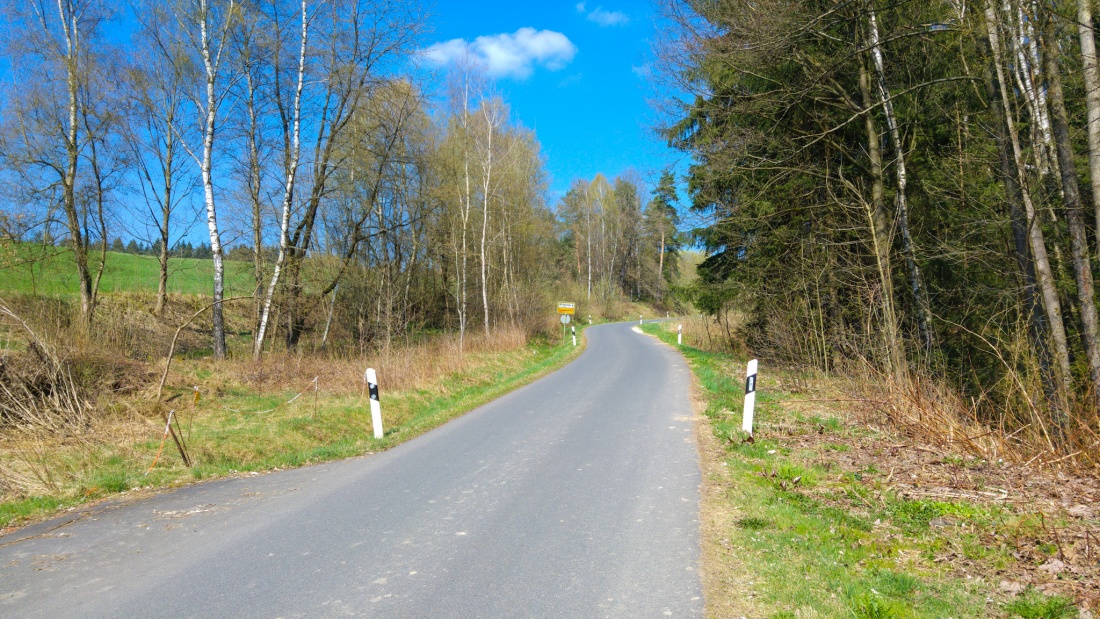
x=1032 y=604
x=753 y=523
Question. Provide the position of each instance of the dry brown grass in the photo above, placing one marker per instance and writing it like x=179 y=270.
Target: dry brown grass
x=399 y=368
x=37 y=387
x=712 y=335
x=932 y=411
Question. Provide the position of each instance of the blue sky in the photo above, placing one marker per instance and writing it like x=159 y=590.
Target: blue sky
x=575 y=73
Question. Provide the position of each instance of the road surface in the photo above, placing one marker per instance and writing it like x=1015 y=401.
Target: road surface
x=576 y=496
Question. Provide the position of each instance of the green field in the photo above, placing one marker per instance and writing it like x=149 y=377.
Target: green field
x=32 y=269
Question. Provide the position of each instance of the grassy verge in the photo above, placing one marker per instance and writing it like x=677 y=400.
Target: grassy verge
x=806 y=521
x=242 y=430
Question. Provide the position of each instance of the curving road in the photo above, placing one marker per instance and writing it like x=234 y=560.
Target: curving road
x=576 y=496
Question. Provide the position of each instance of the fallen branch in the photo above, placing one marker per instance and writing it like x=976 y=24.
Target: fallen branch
x=167 y=427
x=175 y=338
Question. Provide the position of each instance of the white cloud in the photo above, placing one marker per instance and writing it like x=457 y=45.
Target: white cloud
x=507 y=55
x=602 y=17
x=608 y=18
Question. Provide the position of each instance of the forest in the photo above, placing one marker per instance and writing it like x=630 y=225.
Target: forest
x=909 y=190
x=374 y=199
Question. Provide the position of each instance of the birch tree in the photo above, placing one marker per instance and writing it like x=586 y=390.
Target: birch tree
x=1091 y=69
x=916 y=282
x=1074 y=211
x=292 y=126
x=1044 y=274
x=54 y=50
x=492 y=117
x=203 y=28
x=663 y=219
x=357 y=41
x=252 y=55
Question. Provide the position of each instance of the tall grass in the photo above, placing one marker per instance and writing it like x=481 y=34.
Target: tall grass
x=417 y=366
x=930 y=409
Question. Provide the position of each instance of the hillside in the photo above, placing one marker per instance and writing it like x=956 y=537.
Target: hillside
x=32 y=269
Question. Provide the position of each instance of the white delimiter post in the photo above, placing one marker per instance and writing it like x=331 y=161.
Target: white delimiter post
x=375 y=406
x=750 y=397
x=574 y=329
x=679 y=335
x=639 y=319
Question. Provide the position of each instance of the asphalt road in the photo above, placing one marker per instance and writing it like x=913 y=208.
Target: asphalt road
x=576 y=496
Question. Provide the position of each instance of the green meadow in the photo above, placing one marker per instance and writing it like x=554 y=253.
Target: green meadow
x=49 y=271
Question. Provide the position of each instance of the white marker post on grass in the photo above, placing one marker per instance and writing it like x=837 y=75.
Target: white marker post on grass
x=574 y=329
x=679 y=335
x=750 y=397
x=375 y=406
x=639 y=319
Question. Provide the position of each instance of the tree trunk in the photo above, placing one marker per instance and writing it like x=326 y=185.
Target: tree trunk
x=254 y=174
x=211 y=63
x=288 y=191
x=880 y=229
x=1043 y=273
x=661 y=259
x=1074 y=212
x=1026 y=70
x=1032 y=310
x=162 y=259
x=78 y=240
x=463 y=273
x=924 y=313
x=588 y=236
x=1092 y=100
x=166 y=214
x=487 y=170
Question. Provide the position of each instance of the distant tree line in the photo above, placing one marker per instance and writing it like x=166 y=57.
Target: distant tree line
x=182 y=249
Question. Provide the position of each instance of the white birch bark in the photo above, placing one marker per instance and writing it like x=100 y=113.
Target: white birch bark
x=1075 y=220
x=1028 y=61
x=588 y=236
x=465 y=206
x=288 y=189
x=915 y=280
x=1044 y=274
x=491 y=113
x=211 y=60
x=67 y=14
x=1092 y=99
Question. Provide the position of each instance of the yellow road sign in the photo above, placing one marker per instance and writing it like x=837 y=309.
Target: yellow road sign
x=567 y=308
